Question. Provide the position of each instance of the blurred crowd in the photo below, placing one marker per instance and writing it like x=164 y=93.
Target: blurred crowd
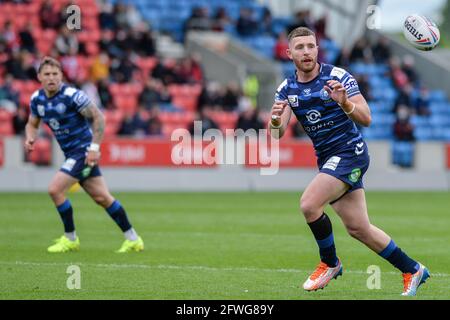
x=125 y=43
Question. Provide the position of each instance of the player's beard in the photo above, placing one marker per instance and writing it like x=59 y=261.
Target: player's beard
x=307 y=67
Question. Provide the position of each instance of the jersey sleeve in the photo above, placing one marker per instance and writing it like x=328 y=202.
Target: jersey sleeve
x=281 y=93
x=33 y=106
x=80 y=100
x=347 y=80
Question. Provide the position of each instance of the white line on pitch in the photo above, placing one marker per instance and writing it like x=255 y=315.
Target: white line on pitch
x=183 y=267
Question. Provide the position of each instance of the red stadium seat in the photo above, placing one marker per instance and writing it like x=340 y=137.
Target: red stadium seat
x=42 y=153
x=127 y=104
x=6 y=124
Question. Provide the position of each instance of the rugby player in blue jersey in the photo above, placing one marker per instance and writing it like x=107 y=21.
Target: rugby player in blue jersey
x=67 y=111
x=327 y=102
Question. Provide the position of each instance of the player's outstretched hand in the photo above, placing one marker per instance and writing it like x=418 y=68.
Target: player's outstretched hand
x=29 y=144
x=92 y=158
x=336 y=91
x=277 y=110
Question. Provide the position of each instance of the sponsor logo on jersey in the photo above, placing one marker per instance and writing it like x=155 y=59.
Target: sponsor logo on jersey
x=338 y=72
x=354 y=175
x=41 y=110
x=53 y=123
x=324 y=95
x=359 y=149
x=332 y=163
x=307 y=92
x=313 y=116
x=61 y=108
x=69 y=164
x=293 y=100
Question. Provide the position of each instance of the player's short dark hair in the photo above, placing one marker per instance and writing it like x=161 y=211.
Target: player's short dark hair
x=49 y=61
x=301 y=32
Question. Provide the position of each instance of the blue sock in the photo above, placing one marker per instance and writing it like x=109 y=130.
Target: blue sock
x=66 y=212
x=118 y=214
x=323 y=233
x=399 y=259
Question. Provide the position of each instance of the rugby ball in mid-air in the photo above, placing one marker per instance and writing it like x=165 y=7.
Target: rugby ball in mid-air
x=421 y=32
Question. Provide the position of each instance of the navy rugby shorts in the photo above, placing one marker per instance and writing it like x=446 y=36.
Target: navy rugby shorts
x=75 y=167
x=348 y=166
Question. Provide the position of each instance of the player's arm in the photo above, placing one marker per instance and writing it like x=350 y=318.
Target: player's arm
x=355 y=107
x=31 y=131
x=279 y=119
x=93 y=114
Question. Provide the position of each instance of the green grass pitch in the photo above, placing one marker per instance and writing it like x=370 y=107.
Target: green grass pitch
x=214 y=246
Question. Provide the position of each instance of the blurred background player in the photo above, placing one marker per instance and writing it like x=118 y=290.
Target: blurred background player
x=327 y=101
x=66 y=111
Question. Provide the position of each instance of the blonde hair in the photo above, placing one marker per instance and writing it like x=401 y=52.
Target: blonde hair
x=301 y=32
x=50 y=62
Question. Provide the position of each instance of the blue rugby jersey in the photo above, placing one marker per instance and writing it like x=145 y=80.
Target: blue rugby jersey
x=61 y=113
x=329 y=128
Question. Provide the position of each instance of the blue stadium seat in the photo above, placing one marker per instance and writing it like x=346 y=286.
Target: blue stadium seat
x=438 y=96
x=403 y=153
x=423 y=133
x=420 y=121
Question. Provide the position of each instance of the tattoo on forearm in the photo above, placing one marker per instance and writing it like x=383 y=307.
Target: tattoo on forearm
x=92 y=113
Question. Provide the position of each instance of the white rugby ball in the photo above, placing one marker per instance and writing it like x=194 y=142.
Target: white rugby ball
x=421 y=32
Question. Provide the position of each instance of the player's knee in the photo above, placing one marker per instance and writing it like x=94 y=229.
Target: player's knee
x=100 y=200
x=54 y=192
x=309 y=208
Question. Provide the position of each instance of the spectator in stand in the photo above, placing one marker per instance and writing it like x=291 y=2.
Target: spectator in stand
x=106 y=16
x=122 y=70
x=361 y=52
x=250 y=119
x=280 y=48
x=10 y=37
x=164 y=70
x=320 y=27
x=404 y=98
x=154 y=124
x=301 y=19
x=199 y=20
x=99 y=68
x=230 y=100
x=91 y=91
x=246 y=24
x=422 y=103
x=20 y=120
x=403 y=129
x=381 y=51
x=9 y=97
x=211 y=97
x=343 y=59
x=221 y=20
x=266 y=25
x=364 y=86
x=206 y=122
x=188 y=71
x=49 y=16
x=26 y=38
x=399 y=77
x=135 y=124
x=408 y=69
x=70 y=65
x=66 y=41
x=153 y=94
x=20 y=66
x=104 y=94
x=145 y=43
x=132 y=17
x=120 y=14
